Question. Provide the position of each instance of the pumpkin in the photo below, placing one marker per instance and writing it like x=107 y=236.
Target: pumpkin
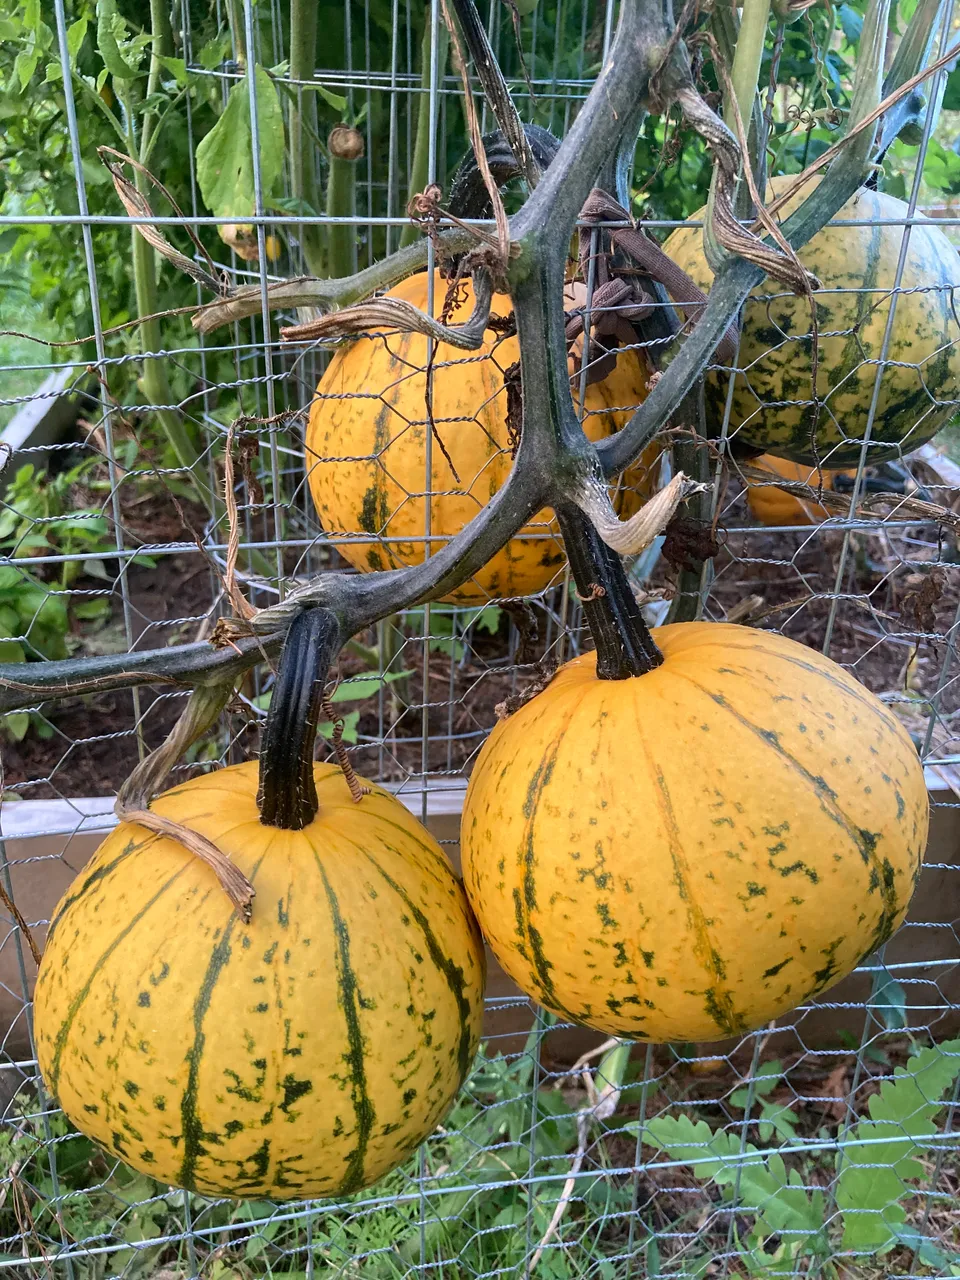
x=303 y=1054
x=367 y=436
x=857 y=267
x=686 y=854
x=776 y=507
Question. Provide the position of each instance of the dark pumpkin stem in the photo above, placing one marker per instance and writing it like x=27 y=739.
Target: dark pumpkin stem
x=625 y=646
x=288 y=794
x=468 y=196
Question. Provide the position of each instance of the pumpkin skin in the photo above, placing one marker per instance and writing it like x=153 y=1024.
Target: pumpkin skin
x=914 y=403
x=689 y=853
x=366 y=457
x=305 y=1054
x=774 y=507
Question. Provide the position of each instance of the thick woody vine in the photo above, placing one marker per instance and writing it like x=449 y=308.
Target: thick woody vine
x=555 y=464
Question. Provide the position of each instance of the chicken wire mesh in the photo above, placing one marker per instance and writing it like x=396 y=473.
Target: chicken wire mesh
x=558 y=1159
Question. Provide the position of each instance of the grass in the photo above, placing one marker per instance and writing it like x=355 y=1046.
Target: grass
x=479 y=1197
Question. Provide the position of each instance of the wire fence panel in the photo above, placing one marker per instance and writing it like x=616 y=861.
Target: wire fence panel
x=824 y=1144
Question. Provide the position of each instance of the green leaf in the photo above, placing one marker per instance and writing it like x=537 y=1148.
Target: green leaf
x=951 y=95
x=10 y=651
x=76 y=34
x=366 y=686
x=764 y=1082
x=96 y=569
x=111 y=28
x=851 y=22
x=779 y=1200
x=941 y=168
x=350 y=722
x=225 y=155
x=710 y=1154
x=777 y=1119
x=881 y=1152
x=213 y=52
x=334 y=99
x=177 y=68
x=24 y=65
x=16 y=723
x=927 y=1250
x=91 y=610
x=889 y=1000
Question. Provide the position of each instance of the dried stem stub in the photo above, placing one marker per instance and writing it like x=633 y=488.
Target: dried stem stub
x=133 y=800
x=630 y=537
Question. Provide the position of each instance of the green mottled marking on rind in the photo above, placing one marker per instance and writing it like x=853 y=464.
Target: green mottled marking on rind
x=452 y=972
x=190 y=1125
x=861 y=696
x=94 y=878
x=864 y=841
x=77 y=1001
x=718 y=1001
x=349 y=1001
x=541 y=964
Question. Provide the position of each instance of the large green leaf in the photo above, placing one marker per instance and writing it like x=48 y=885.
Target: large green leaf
x=882 y=1152
x=225 y=155
x=710 y=1154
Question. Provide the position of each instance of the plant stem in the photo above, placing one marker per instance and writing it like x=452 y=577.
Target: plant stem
x=304 y=127
x=419 y=170
x=235 y=23
x=496 y=91
x=345 y=148
x=695 y=458
x=744 y=76
x=288 y=794
x=745 y=72
x=868 y=82
x=625 y=646
x=329 y=295
x=162 y=38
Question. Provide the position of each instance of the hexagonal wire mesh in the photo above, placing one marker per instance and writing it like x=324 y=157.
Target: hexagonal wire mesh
x=537 y=1170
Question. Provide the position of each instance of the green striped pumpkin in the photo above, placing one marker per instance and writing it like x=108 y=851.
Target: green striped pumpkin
x=686 y=854
x=919 y=393
x=303 y=1054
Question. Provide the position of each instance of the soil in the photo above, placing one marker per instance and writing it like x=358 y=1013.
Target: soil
x=899 y=596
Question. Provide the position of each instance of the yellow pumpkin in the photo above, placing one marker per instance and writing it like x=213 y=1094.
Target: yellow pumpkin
x=775 y=507
x=303 y=1054
x=367 y=438
x=686 y=854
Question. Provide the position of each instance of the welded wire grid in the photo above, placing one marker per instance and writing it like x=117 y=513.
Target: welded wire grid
x=531 y=1174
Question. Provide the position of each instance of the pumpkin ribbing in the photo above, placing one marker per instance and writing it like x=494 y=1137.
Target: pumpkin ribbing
x=686 y=854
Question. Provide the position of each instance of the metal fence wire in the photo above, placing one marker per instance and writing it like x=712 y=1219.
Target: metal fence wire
x=560 y=1158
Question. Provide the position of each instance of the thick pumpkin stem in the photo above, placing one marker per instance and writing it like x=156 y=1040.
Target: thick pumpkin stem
x=625 y=646
x=288 y=796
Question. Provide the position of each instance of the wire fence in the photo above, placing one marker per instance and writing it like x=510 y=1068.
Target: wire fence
x=764 y=1157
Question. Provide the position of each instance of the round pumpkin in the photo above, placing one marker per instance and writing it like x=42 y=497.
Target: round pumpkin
x=367 y=437
x=304 y=1054
x=776 y=507
x=857 y=267
x=686 y=854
